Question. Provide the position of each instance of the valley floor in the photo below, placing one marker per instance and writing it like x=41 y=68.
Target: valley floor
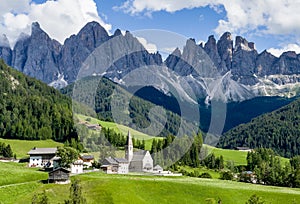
x=20 y=185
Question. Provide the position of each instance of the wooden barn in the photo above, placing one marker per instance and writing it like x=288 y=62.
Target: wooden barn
x=59 y=176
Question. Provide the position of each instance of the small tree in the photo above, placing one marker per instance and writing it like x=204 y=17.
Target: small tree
x=68 y=155
x=76 y=194
x=7 y=152
x=40 y=198
x=254 y=199
x=227 y=175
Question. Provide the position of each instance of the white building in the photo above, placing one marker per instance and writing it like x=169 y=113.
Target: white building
x=41 y=157
x=77 y=167
x=140 y=161
x=115 y=165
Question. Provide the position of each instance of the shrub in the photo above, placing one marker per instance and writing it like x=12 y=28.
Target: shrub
x=205 y=175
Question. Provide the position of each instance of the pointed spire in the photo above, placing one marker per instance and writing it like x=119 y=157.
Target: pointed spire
x=129 y=139
x=129 y=147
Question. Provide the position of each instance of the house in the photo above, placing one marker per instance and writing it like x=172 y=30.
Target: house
x=77 y=167
x=41 y=157
x=158 y=169
x=115 y=165
x=59 y=176
x=88 y=160
x=243 y=149
x=93 y=126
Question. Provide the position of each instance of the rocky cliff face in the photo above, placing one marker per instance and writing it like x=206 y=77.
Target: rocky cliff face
x=221 y=69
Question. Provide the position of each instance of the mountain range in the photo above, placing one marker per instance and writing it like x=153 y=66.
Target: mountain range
x=221 y=69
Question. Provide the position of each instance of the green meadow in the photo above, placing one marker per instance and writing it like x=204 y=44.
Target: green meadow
x=21 y=147
x=101 y=188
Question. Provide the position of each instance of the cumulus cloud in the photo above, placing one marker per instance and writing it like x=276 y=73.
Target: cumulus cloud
x=290 y=47
x=242 y=16
x=151 y=48
x=60 y=18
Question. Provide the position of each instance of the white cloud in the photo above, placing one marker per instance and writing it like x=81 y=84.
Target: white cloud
x=264 y=16
x=290 y=47
x=151 y=48
x=60 y=18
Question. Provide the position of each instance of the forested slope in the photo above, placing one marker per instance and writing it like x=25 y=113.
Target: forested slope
x=31 y=110
x=279 y=130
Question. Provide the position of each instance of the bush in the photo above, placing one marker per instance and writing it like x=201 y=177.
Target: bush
x=205 y=175
x=226 y=175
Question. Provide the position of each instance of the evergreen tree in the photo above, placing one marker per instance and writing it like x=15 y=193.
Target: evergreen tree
x=76 y=196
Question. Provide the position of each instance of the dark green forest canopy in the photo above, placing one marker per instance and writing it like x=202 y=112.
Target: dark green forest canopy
x=31 y=110
x=278 y=130
x=101 y=94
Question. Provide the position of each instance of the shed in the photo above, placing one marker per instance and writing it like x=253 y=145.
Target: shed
x=59 y=176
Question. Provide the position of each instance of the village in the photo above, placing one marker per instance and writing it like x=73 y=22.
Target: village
x=135 y=162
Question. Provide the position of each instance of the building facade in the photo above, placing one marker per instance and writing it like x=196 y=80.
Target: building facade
x=42 y=157
x=140 y=161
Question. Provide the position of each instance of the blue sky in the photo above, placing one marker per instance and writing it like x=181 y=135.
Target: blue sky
x=271 y=26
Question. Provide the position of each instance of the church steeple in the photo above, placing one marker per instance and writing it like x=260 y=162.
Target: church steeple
x=129 y=148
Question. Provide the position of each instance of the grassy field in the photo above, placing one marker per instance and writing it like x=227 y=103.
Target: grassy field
x=21 y=147
x=101 y=188
x=238 y=157
x=122 y=129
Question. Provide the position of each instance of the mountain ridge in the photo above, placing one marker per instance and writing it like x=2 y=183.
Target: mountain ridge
x=221 y=69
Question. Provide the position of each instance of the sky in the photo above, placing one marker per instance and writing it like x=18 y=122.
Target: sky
x=272 y=26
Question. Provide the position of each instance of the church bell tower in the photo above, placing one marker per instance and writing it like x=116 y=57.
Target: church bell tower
x=129 y=148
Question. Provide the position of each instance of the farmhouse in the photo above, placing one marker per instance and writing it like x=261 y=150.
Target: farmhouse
x=243 y=149
x=41 y=157
x=88 y=160
x=115 y=165
x=140 y=161
x=59 y=176
x=77 y=167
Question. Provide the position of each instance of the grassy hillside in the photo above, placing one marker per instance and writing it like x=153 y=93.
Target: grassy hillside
x=121 y=129
x=21 y=147
x=101 y=188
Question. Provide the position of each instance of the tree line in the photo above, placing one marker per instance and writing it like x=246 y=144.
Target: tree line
x=269 y=170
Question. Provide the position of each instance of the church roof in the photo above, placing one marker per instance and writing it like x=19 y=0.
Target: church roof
x=121 y=160
x=157 y=167
x=139 y=156
x=111 y=160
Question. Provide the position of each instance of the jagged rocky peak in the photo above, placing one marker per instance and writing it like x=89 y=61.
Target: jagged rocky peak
x=289 y=54
x=225 y=50
x=211 y=44
x=37 y=33
x=190 y=42
x=117 y=32
x=93 y=34
x=176 y=52
x=4 y=42
x=242 y=43
x=226 y=37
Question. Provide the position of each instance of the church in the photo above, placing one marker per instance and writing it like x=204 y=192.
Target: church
x=139 y=161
